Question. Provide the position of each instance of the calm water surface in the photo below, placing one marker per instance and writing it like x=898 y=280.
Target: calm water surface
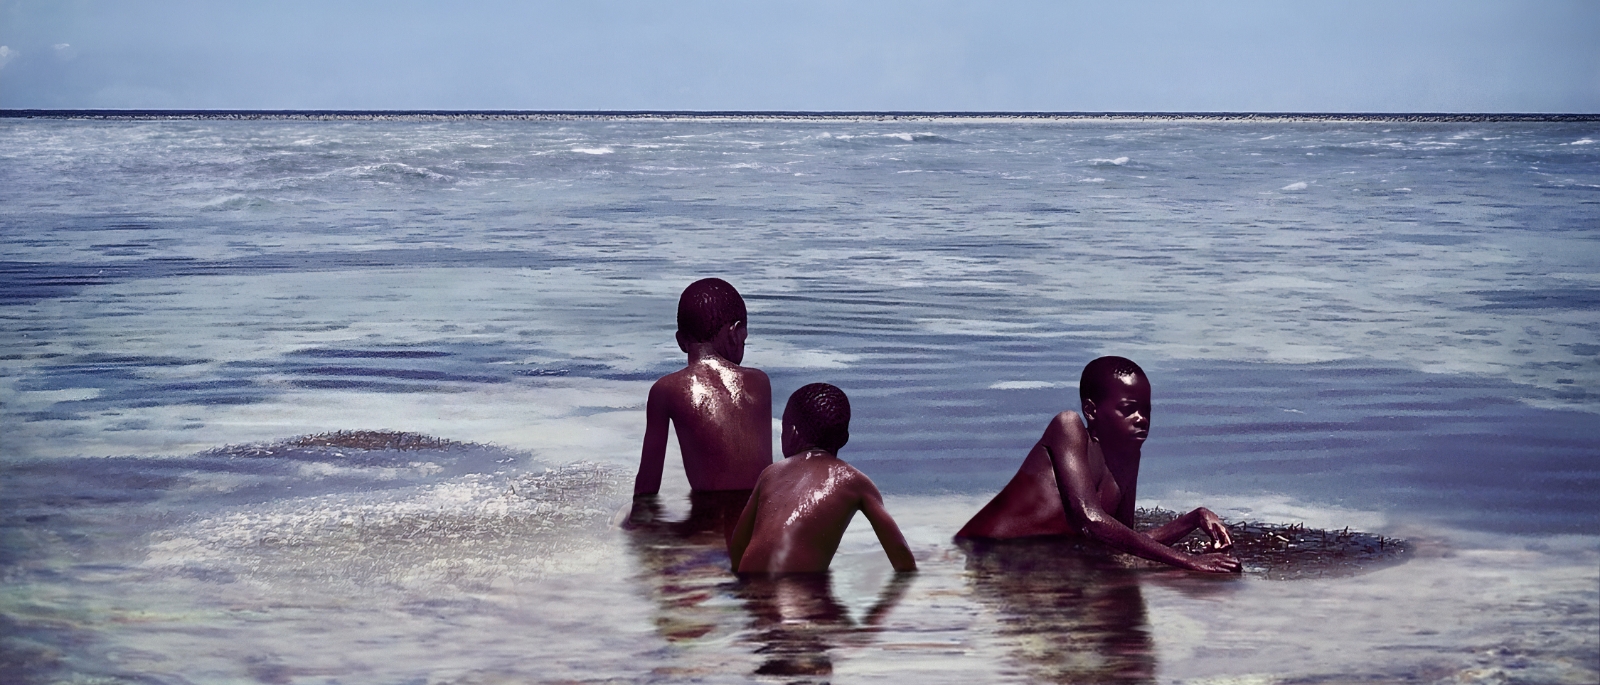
x=1390 y=327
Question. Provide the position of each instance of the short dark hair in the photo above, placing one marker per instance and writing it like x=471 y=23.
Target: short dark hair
x=1097 y=376
x=822 y=415
x=706 y=306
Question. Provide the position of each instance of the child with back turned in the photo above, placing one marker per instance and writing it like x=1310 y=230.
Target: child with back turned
x=802 y=504
x=722 y=411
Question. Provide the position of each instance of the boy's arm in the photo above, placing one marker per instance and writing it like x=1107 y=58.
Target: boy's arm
x=894 y=544
x=762 y=392
x=745 y=528
x=654 y=455
x=1067 y=443
x=1202 y=518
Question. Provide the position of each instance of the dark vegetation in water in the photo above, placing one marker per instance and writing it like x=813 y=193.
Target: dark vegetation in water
x=1291 y=551
x=373 y=440
x=352 y=439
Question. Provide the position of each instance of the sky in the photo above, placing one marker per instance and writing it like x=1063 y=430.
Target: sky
x=861 y=55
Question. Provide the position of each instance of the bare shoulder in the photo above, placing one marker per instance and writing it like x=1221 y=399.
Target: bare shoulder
x=669 y=396
x=856 y=480
x=753 y=374
x=676 y=378
x=675 y=383
x=775 y=470
x=1067 y=418
x=842 y=476
x=1066 y=424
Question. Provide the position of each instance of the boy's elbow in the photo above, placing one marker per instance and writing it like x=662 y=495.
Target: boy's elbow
x=1100 y=527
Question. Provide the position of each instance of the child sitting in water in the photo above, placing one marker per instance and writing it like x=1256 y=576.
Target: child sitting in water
x=1080 y=481
x=802 y=505
x=722 y=411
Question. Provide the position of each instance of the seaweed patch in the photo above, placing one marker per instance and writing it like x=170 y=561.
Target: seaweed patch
x=370 y=440
x=1292 y=551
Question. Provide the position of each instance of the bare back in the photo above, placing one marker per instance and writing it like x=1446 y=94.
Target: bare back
x=722 y=413
x=802 y=506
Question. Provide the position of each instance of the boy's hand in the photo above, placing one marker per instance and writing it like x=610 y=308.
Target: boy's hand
x=1215 y=528
x=1214 y=563
x=646 y=509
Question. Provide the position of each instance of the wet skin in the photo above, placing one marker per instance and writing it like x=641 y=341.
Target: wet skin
x=722 y=413
x=1081 y=481
x=800 y=509
x=710 y=511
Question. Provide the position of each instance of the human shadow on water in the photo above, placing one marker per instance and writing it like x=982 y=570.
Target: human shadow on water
x=796 y=621
x=1067 y=614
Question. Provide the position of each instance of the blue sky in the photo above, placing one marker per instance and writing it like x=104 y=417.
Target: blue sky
x=1353 y=56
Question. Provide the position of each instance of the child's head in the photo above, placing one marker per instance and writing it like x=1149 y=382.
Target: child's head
x=707 y=308
x=1116 y=401
x=818 y=416
x=1100 y=374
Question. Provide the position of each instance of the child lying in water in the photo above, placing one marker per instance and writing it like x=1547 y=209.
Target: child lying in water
x=802 y=505
x=1080 y=481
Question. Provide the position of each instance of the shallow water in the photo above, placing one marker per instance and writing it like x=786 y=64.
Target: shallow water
x=1384 y=326
x=461 y=565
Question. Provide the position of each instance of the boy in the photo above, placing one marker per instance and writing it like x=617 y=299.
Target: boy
x=722 y=411
x=1080 y=481
x=802 y=505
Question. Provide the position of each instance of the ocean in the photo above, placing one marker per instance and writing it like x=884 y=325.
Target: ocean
x=1385 y=326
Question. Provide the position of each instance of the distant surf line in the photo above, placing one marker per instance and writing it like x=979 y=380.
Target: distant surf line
x=753 y=115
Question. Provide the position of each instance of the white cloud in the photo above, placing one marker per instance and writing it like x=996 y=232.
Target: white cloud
x=6 y=53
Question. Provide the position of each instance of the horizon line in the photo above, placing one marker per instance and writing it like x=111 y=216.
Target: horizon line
x=860 y=115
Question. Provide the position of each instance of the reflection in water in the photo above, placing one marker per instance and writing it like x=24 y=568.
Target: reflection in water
x=1069 y=615
x=793 y=620
x=684 y=564
x=796 y=621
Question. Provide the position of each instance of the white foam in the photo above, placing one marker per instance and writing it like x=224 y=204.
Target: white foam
x=781 y=355
x=1297 y=185
x=1581 y=141
x=42 y=398
x=594 y=150
x=1030 y=385
x=393 y=169
x=978 y=327
x=472 y=528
